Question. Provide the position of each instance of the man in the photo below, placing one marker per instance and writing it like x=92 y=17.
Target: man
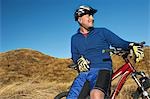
x=95 y=67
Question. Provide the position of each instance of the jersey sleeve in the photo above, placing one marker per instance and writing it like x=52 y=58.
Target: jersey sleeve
x=74 y=51
x=114 y=40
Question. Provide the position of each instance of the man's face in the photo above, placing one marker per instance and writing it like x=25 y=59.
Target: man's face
x=86 y=20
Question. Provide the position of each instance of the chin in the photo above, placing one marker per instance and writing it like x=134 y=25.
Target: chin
x=91 y=26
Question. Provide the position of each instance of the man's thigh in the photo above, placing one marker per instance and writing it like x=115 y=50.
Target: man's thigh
x=103 y=81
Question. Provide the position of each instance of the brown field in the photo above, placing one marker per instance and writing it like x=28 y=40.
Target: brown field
x=29 y=74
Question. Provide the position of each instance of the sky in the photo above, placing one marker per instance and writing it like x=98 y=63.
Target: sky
x=47 y=25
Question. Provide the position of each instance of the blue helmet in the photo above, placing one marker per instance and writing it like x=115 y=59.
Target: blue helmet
x=82 y=10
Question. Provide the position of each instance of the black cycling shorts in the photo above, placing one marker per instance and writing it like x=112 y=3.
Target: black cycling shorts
x=103 y=81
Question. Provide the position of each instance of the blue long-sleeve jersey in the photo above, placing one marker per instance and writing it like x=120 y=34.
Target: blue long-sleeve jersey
x=91 y=47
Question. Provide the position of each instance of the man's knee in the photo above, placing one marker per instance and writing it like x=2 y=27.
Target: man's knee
x=96 y=94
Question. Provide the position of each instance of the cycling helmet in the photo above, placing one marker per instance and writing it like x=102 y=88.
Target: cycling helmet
x=82 y=10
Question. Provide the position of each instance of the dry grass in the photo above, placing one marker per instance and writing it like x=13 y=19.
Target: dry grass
x=29 y=74
x=30 y=90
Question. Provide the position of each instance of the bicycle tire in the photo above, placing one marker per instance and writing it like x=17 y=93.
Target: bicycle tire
x=61 y=95
x=138 y=93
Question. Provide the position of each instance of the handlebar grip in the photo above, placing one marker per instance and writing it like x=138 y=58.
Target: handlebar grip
x=140 y=44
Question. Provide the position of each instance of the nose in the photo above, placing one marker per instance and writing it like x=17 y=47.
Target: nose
x=91 y=17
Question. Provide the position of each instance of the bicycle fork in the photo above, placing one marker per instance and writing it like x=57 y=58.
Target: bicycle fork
x=142 y=74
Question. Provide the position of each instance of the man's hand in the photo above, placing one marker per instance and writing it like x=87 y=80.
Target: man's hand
x=83 y=64
x=138 y=51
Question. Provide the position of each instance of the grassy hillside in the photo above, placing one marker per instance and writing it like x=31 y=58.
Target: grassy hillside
x=29 y=74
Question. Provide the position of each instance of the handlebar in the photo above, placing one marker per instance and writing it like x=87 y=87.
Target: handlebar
x=121 y=51
x=117 y=51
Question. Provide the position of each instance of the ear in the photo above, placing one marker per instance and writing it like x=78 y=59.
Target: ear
x=79 y=20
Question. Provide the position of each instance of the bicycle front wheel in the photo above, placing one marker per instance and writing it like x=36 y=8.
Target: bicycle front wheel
x=62 y=95
x=138 y=94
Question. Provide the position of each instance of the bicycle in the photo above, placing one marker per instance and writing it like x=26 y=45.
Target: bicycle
x=143 y=82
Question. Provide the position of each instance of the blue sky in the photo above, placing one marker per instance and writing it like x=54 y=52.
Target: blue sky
x=47 y=25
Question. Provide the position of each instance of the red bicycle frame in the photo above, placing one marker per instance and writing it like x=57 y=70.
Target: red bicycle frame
x=124 y=71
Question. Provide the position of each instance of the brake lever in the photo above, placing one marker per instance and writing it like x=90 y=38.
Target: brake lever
x=72 y=66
